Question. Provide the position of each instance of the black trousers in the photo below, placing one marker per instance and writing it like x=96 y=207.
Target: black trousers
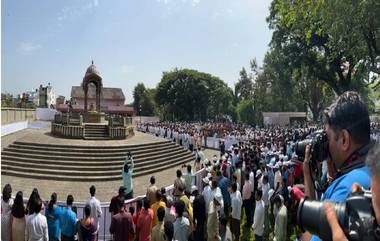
x=129 y=195
x=200 y=231
x=248 y=209
x=67 y=238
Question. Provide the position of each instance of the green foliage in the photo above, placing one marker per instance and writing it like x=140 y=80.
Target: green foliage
x=144 y=103
x=336 y=40
x=244 y=86
x=6 y=100
x=245 y=112
x=191 y=95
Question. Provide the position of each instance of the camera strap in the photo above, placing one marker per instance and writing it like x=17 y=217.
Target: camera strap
x=355 y=160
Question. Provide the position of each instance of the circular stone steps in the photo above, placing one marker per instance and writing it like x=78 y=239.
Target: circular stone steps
x=88 y=163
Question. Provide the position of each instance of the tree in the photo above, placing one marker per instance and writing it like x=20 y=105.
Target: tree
x=245 y=112
x=315 y=93
x=6 y=100
x=187 y=94
x=321 y=35
x=244 y=86
x=144 y=100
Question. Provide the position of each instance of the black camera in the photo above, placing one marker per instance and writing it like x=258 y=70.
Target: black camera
x=356 y=218
x=319 y=146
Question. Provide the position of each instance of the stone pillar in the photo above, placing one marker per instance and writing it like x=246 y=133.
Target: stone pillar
x=98 y=92
x=85 y=89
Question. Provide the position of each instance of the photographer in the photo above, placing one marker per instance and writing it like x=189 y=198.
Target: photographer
x=374 y=165
x=127 y=173
x=348 y=132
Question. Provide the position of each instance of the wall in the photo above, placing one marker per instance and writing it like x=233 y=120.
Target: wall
x=144 y=119
x=13 y=127
x=281 y=118
x=10 y=115
x=45 y=114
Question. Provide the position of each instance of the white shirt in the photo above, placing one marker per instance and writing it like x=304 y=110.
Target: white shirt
x=207 y=196
x=258 y=218
x=181 y=229
x=36 y=227
x=265 y=188
x=277 y=179
x=96 y=210
x=236 y=202
x=214 y=192
x=252 y=179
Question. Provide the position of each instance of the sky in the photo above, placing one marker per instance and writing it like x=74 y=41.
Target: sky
x=54 y=41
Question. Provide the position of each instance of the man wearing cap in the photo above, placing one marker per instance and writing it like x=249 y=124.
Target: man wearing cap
x=199 y=213
x=113 y=209
x=207 y=191
x=259 y=179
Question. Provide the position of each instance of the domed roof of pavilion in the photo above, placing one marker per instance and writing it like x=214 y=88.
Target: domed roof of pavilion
x=92 y=69
x=92 y=72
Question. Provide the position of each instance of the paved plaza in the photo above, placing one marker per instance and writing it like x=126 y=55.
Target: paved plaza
x=80 y=190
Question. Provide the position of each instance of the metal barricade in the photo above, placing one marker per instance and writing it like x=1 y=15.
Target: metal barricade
x=105 y=219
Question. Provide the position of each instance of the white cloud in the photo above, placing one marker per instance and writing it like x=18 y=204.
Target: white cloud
x=96 y=3
x=27 y=47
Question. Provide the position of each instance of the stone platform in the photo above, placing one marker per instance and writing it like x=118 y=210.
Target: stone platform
x=35 y=159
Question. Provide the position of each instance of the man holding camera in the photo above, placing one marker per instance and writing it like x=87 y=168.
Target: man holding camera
x=348 y=132
x=331 y=216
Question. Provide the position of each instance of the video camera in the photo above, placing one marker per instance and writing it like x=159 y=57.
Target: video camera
x=356 y=218
x=319 y=146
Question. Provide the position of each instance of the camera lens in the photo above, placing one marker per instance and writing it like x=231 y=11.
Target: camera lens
x=300 y=148
x=311 y=216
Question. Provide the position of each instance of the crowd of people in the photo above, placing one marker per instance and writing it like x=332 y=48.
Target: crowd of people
x=255 y=183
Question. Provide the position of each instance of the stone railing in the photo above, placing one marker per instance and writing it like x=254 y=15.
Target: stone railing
x=68 y=131
x=10 y=115
x=117 y=132
x=71 y=125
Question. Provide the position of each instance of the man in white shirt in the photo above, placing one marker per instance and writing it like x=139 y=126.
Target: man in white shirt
x=236 y=204
x=215 y=190
x=252 y=179
x=200 y=154
x=207 y=192
x=265 y=188
x=258 y=218
x=36 y=224
x=259 y=179
x=181 y=224
x=96 y=210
